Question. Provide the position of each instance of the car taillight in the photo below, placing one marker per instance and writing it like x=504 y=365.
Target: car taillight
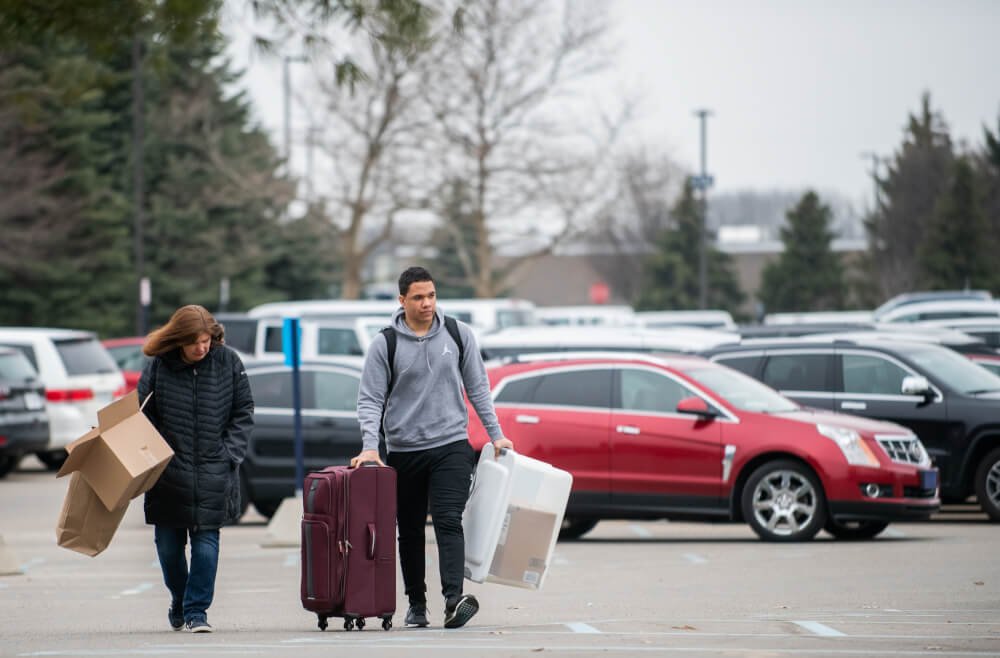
x=69 y=395
x=119 y=392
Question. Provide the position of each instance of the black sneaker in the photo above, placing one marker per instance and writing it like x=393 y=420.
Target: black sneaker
x=458 y=614
x=176 y=616
x=417 y=615
x=199 y=625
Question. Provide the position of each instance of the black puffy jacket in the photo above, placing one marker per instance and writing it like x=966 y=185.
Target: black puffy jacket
x=204 y=410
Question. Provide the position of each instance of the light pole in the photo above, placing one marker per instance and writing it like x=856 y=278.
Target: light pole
x=702 y=182
x=287 y=83
x=876 y=161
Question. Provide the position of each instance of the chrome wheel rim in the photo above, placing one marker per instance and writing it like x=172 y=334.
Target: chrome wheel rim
x=993 y=484
x=784 y=502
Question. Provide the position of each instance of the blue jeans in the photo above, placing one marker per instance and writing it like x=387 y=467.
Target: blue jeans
x=195 y=588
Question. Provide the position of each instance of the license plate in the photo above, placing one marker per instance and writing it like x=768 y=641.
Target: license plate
x=33 y=401
x=928 y=479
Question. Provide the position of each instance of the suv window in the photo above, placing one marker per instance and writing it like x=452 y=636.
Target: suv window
x=519 y=390
x=642 y=390
x=797 y=372
x=745 y=364
x=338 y=341
x=28 y=352
x=575 y=388
x=272 y=340
x=14 y=366
x=865 y=373
x=241 y=334
x=273 y=389
x=84 y=356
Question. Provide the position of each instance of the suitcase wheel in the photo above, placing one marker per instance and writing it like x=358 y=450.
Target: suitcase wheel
x=348 y=624
x=360 y=622
x=386 y=623
x=321 y=622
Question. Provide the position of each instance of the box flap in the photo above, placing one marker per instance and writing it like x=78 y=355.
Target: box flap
x=78 y=451
x=84 y=524
x=118 y=411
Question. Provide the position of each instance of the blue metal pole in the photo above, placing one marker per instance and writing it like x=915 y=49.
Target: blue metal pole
x=297 y=403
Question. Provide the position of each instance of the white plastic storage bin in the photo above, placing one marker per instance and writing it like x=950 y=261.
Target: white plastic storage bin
x=512 y=519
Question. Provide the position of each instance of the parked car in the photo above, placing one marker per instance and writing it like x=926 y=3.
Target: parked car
x=985 y=329
x=920 y=296
x=704 y=319
x=330 y=430
x=258 y=338
x=951 y=403
x=680 y=437
x=79 y=376
x=526 y=340
x=942 y=310
x=127 y=353
x=24 y=426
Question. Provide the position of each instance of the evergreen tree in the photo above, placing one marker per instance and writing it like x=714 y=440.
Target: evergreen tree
x=671 y=272
x=66 y=254
x=908 y=199
x=958 y=248
x=808 y=276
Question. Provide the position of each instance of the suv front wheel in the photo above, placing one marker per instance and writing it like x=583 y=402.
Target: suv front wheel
x=988 y=484
x=783 y=501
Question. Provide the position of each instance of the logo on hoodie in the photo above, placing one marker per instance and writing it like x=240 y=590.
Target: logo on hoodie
x=446 y=351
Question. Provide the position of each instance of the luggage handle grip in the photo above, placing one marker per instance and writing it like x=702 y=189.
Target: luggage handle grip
x=371 y=541
x=367 y=463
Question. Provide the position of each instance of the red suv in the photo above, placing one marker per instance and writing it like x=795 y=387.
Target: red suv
x=681 y=437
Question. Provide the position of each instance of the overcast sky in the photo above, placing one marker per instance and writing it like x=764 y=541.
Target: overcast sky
x=798 y=89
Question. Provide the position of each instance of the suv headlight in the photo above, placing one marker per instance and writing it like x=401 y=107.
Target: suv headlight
x=850 y=443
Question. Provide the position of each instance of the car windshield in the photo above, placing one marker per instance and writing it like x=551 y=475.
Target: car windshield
x=956 y=371
x=741 y=391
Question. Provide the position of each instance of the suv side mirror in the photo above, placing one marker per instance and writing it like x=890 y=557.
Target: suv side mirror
x=696 y=406
x=915 y=385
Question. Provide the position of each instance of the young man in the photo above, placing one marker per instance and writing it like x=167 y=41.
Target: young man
x=423 y=415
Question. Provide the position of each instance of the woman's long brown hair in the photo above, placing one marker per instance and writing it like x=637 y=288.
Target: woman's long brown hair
x=186 y=324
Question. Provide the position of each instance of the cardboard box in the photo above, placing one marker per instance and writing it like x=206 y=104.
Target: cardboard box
x=122 y=457
x=522 y=553
x=85 y=525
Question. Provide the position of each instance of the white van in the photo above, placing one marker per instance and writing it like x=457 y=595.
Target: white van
x=942 y=310
x=704 y=319
x=79 y=376
x=526 y=340
x=261 y=338
x=587 y=316
x=483 y=314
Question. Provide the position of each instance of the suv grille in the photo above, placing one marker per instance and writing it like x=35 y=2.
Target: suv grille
x=902 y=449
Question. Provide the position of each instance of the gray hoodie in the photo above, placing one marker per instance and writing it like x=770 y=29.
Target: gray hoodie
x=426 y=408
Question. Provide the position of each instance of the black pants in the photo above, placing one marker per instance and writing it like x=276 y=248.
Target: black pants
x=439 y=477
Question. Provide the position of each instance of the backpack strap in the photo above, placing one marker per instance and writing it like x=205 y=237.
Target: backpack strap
x=452 y=326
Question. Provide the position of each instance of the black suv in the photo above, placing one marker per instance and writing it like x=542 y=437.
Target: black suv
x=952 y=404
x=24 y=425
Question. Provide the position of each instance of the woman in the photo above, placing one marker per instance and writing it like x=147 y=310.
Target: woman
x=203 y=407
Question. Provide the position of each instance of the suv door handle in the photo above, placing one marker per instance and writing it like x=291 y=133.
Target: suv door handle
x=627 y=429
x=853 y=405
x=521 y=418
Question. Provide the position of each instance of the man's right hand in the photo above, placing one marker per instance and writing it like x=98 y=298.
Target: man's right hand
x=366 y=456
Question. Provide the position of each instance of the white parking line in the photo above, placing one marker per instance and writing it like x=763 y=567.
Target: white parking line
x=694 y=558
x=580 y=627
x=136 y=590
x=33 y=562
x=639 y=530
x=819 y=629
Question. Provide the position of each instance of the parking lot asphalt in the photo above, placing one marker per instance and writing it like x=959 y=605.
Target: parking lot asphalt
x=627 y=588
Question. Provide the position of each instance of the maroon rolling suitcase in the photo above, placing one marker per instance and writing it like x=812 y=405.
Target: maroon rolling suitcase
x=349 y=544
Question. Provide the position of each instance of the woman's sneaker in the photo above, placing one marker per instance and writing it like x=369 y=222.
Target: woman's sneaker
x=456 y=615
x=199 y=625
x=176 y=616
